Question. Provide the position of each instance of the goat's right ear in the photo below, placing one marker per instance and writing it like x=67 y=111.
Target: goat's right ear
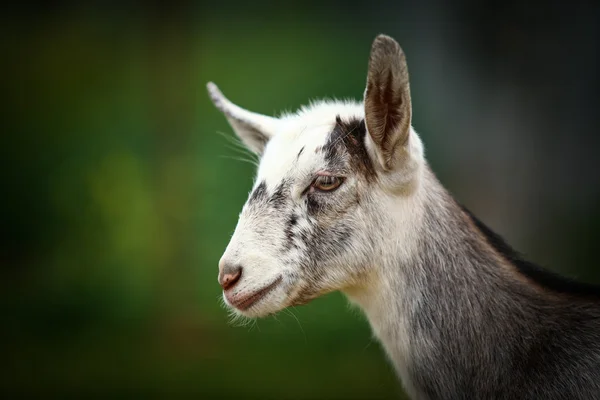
x=387 y=102
x=253 y=129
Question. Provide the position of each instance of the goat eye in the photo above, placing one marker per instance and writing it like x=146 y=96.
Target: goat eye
x=326 y=183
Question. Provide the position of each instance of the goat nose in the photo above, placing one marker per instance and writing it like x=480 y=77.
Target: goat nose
x=229 y=276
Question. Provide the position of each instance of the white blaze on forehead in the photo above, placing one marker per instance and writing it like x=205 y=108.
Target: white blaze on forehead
x=306 y=130
x=280 y=159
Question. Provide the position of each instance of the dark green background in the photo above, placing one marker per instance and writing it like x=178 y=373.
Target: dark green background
x=119 y=196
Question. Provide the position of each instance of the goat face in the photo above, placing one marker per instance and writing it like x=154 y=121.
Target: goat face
x=318 y=211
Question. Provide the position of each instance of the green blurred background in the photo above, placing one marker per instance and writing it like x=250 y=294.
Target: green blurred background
x=119 y=196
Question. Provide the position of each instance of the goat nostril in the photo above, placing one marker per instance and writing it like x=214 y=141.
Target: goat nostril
x=230 y=276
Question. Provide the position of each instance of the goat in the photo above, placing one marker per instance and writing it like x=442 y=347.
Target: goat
x=344 y=200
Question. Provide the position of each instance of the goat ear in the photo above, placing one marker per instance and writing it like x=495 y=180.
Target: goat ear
x=253 y=129
x=387 y=101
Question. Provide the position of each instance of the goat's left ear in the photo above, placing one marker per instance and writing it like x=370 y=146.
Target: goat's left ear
x=253 y=129
x=387 y=101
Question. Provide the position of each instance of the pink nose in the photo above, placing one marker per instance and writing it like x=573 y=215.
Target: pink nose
x=229 y=276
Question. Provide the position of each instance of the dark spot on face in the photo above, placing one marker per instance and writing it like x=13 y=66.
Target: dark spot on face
x=259 y=194
x=277 y=199
x=304 y=235
x=289 y=232
x=312 y=205
x=300 y=152
x=348 y=139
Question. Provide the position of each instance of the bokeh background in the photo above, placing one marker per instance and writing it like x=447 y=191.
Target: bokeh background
x=119 y=196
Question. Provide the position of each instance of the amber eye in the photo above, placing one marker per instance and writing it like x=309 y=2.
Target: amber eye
x=327 y=183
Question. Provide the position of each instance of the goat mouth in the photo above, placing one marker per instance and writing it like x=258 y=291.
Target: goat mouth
x=245 y=302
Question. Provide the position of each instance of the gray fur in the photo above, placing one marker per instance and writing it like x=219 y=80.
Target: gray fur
x=478 y=329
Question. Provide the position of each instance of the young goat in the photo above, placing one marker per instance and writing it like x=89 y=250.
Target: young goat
x=344 y=200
